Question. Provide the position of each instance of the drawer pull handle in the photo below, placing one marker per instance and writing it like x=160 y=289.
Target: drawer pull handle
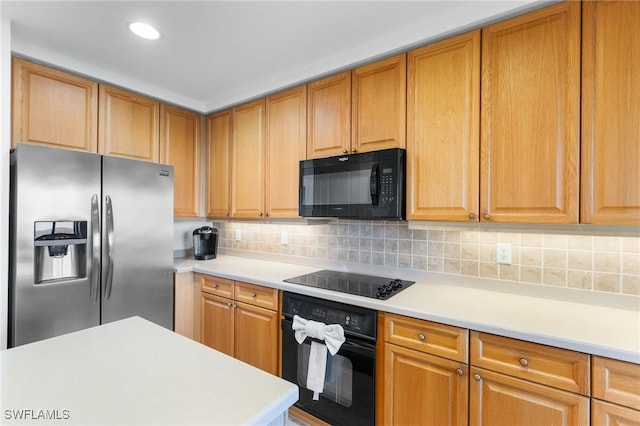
x=422 y=337
x=253 y=295
x=524 y=362
x=229 y=304
x=460 y=371
x=477 y=377
x=216 y=286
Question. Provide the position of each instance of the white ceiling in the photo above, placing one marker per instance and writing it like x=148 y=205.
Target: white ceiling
x=214 y=54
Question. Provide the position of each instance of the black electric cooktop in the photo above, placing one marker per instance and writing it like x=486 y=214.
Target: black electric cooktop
x=345 y=282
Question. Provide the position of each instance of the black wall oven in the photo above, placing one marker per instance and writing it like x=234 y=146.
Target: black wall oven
x=368 y=186
x=349 y=387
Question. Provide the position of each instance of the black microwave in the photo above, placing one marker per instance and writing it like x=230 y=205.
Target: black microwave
x=368 y=186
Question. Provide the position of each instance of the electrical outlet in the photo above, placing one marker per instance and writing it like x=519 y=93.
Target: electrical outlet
x=284 y=238
x=238 y=234
x=503 y=253
x=187 y=236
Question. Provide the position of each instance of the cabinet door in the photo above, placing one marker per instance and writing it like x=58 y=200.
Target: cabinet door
x=216 y=323
x=605 y=414
x=256 y=337
x=422 y=389
x=186 y=305
x=610 y=113
x=51 y=107
x=247 y=161
x=329 y=116
x=378 y=96
x=180 y=147
x=219 y=128
x=286 y=144
x=129 y=125
x=531 y=117
x=497 y=400
x=443 y=109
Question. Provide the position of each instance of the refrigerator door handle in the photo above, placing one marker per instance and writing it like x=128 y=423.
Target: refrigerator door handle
x=95 y=255
x=109 y=280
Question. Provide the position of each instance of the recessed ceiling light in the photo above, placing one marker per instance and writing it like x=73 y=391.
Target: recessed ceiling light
x=144 y=30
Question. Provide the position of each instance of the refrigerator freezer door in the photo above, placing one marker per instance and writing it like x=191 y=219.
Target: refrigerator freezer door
x=52 y=242
x=137 y=241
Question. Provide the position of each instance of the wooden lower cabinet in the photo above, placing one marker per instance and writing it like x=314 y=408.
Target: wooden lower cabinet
x=607 y=414
x=247 y=331
x=616 y=393
x=422 y=389
x=497 y=399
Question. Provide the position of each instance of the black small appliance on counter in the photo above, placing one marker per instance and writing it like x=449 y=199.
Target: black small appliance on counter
x=205 y=243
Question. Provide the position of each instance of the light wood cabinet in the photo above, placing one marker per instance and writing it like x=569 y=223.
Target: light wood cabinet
x=241 y=320
x=378 y=98
x=218 y=183
x=329 y=116
x=51 y=107
x=616 y=392
x=186 y=305
x=530 y=117
x=285 y=148
x=420 y=385
x=129 y=125
x=523 y=383
x=247 y=161
x=610 y=176
x=180 y=146
x=443 y=139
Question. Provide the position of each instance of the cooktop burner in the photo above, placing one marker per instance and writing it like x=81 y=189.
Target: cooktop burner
x=345 y=282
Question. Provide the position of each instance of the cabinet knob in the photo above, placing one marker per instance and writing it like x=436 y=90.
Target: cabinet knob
x=422 y=337
x=344 y=151
x=266 y=215
x=229 y=304
x=460 y=371
x=524 y=362
x=260 y=214
x=353 y=150
x=227 y=214
x=477 y=377
x=253 y=295
x=472 y=216
x=487 y=216
x=216 y=286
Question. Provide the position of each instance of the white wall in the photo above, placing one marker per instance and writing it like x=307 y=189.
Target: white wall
x=5 y=145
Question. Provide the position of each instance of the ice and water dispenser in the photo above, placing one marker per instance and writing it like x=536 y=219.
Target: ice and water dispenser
x=60 y=250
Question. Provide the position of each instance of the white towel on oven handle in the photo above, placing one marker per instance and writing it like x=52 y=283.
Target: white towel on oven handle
x=332 y=335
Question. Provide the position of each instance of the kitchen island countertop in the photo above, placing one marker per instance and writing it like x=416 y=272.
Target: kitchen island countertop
x=591 y=322
x=134 y=372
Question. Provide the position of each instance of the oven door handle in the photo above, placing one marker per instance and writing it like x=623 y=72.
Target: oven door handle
x=351 y=343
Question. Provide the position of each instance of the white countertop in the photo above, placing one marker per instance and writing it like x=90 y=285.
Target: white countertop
x=133 y=372
x=590 y=322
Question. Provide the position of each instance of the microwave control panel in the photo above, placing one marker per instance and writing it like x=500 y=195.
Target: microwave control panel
x=387 y=187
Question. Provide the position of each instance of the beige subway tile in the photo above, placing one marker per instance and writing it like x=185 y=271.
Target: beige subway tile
x=553 y=258
x=354 y=256
x=365 y=257
x=391 y=260
x=581 y=260
x=419 y=248
x=435 y=235
x=404 y=247
x=404 y=261
x=606 y=262
x=531 y=274
x=579 y=242
x=631 y=264
x=391 y=246
x=452 y=236
x=606 y=282
x=404 y=233
x=365 y=244
x=435 y=249
x=419 y=262
x=354 y=243
x=435 y=264
x=420 y=234
x=554 y=277
x=531 y=240
x=487 y=253
x=580 y=279
x=377 y=258
x=391 y=230
x=631 y=245
x=469 y=237
x=452 y=250
x=469 y=251
x=631 y=284
x=510 y=238
x=488 y=237
x=555 y=241
x=488 y=270
x=606 y=243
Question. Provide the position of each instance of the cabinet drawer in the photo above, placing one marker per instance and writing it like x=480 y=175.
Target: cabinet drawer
x=257 y=295
x=215 y=285
x=616 y=381
x=425 y=336
x=547 y=365
x=605 y=414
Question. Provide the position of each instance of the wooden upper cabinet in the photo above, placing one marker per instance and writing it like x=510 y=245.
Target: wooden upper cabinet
x=247 y=161
x=378 y=97
x=443 y=139
x=530 y=117
x=51 y=107
x=610 y=185
x=129 y=125
x=329 y=116
x=285 y=147
x=219 y=133
x=180 y=147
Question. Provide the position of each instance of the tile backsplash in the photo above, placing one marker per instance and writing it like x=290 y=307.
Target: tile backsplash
x=601 y=263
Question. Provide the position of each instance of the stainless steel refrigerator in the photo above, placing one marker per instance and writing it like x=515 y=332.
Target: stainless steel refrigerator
x=91 y=241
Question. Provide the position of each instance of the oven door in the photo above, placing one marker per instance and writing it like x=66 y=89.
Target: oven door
x=349 y=387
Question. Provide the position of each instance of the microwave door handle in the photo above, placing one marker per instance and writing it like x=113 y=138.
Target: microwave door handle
x=374 y=185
